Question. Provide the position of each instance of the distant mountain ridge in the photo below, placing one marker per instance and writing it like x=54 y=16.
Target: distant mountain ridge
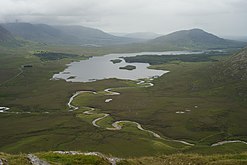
x=195 y=38
x=88 y=35
x=72 y=35
x=85 y=36
x=36 y=33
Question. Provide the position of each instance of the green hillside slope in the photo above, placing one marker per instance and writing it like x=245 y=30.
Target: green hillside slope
x=194 y=38
x=71 y=35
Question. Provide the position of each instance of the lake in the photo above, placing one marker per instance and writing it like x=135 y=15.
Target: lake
x=101 y=67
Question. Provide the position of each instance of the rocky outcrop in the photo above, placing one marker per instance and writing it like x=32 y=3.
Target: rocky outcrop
x=111 y=160
x=3 y=161
x=236 y=66
x=34 y=160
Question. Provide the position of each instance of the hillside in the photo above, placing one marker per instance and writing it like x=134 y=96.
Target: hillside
x=38 y=33
x=194 y=39
x=207 y=118
x=189 y=159
x=78 y=158
x=92 y=36
x=7 y=39
x=229 y=77
x=71 y=35
x=5 y=35
x=232 y=70
x=236 y=66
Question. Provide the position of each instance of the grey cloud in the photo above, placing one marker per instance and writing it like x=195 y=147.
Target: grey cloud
x=225 y=17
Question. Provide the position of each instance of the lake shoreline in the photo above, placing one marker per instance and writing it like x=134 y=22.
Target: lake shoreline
x=102 y=67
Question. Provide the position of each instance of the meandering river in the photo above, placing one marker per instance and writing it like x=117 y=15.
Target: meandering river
x=97 y=68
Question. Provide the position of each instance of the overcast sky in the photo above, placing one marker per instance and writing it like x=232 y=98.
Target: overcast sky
x=222 y=17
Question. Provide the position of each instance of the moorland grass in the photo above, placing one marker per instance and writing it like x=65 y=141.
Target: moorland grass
x=215 y=113
x=174 y=159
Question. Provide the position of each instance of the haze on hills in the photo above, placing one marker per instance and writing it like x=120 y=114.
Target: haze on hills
x=221 y=17
x=79 y=35
x=73 y=35
x=199 y=107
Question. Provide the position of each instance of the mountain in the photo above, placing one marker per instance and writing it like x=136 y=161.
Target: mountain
x=228 y=78
x=143 y=35
x=234 y=68
x=195 y=39
x=5 y=35
x=93 y=36
x=72 y=35
x=8 y=40
x=38 y=33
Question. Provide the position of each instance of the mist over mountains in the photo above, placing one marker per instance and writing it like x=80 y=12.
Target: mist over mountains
x=5 y=35
x=72 y=35
x=85 y=36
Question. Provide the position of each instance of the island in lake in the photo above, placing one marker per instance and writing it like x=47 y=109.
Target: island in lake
x=128 y=67
x=115 y=61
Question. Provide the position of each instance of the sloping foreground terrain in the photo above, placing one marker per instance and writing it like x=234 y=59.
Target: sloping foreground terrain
x=61 y=158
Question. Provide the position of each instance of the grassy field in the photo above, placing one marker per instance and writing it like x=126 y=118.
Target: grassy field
x=180 y=90
x=55 y=159
x=175 y=159
x=50 y=126
x=213 y=113
x=233 y=159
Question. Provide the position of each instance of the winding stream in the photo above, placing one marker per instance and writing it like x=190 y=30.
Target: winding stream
x=227 y=142
x=116 y=126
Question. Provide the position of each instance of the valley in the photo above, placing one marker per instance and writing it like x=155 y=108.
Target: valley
x=183 y=102
x=179 y=96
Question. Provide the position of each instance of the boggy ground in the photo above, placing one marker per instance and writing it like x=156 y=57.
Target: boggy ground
x=206 y=115
x=210 y=114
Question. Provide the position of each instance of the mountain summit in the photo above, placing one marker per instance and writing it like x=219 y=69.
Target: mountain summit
x=195 y=38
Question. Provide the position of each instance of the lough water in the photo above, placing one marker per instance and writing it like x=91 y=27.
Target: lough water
x=101 y=67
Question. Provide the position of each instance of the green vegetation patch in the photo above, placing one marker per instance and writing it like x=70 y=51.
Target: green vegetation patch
x=161 y=59
x=14 y=159
x=176 y=159
x=79 y=159
x=128 y=67
x=213 y=111
x=45 y=56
